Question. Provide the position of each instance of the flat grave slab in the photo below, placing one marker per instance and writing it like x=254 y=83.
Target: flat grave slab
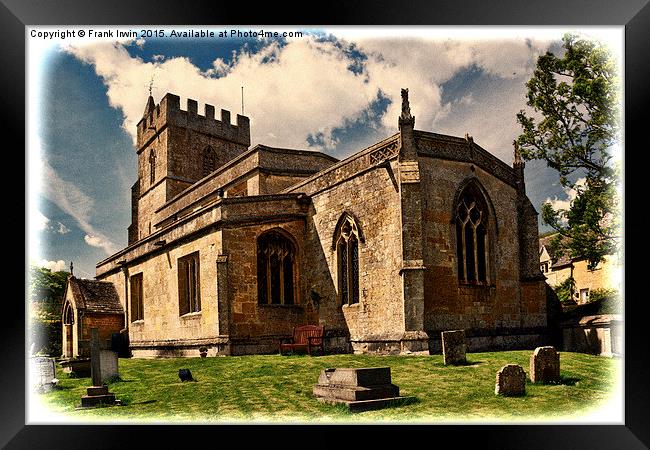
x=360 y=389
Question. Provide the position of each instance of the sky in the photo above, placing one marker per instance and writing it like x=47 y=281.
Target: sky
x=335 y=90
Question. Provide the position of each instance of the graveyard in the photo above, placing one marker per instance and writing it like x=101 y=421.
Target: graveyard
x=280 y=389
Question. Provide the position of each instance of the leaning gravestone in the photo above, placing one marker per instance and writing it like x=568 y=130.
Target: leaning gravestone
x=545 y=365
x=511 y=381
x=454 y=347
x=97 y=394
x=359 y=389
x=43 y=373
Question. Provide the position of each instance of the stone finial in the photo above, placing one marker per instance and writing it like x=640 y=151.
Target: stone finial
x=469 y=138
x=150 y=86
x=406 y=108
x=71 y=267
x=517 y=153
x=148 y=109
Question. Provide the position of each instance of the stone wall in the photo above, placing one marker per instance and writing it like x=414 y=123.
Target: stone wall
x=505 y=302
x=107 y=324
x=597 y=335
x=177 y=138
x=604 y=276
x=252 y=168
x=162 y=322
x=249 y=318
x=372 y=199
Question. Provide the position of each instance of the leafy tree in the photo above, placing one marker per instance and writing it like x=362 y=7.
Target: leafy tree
x=46 y=292
x=575 y=127
x=47 y=289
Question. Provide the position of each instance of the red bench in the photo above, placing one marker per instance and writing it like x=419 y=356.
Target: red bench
x=305 y=338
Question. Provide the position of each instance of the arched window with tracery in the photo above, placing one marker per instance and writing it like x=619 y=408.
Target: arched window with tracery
x=472 y=246
x=347 y=251
x=276 y=263
x=209 y=161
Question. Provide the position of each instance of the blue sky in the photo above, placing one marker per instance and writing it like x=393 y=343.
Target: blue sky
x=335 y=91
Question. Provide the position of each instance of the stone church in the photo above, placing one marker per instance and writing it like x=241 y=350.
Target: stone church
x=231 y=246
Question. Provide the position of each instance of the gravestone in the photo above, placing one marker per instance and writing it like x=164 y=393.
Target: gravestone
x=108 y=364
x=359 y=389
x=97 y=394
x=43 y=373
x=454 y=347
x=511 y=381
x=545 y=365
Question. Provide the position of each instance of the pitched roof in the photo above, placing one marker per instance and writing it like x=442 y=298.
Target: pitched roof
x=545 y=242
x=95 y=296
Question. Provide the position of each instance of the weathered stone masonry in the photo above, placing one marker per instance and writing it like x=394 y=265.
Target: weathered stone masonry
x=368 y=247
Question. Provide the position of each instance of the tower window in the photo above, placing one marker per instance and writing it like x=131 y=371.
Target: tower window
x=152 y=167
x=209 y=161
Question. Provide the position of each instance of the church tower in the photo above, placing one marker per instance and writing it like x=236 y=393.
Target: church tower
x=176 y=148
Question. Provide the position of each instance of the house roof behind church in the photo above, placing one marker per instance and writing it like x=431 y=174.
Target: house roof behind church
x=95 y=296
x=545 y=242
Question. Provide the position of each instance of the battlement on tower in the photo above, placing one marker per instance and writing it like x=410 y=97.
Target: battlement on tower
x=169 y=113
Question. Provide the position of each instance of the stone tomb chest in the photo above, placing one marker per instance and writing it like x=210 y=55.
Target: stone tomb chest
x=360 y=389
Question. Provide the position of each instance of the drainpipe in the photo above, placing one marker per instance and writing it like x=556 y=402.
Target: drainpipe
x=125 y=271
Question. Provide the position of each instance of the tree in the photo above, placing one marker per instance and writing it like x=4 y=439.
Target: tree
x=47 y=289
x=46 y=295
x=576 y=128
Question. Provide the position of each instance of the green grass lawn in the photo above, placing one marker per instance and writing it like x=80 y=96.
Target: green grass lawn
x=274 y=388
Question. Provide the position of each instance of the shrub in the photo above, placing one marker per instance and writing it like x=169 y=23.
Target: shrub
x=602 y=294
x=46 y=336
x=565 y=290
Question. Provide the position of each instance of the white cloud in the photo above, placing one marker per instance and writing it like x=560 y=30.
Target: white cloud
x=101 y=242
x=571 y=194
x=305 y=86
x=54 y=266
x=40 y=221
x=62 y=229
x=71 y=200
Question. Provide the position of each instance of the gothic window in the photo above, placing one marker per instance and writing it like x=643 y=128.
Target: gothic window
x=209 y=160
x=189 y=298
x=276 y=261
x=68 y=315
x=347 y=251
x=152 y=167
x=472 y=238
x=137 y=300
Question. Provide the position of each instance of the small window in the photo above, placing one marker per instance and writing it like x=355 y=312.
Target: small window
x=137 y=299
x=209 y=161
x=189 y=298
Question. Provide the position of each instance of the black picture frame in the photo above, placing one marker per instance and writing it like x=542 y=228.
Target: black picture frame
x=633 y=14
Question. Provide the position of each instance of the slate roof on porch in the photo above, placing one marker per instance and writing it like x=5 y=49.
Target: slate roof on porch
x=95 y=296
